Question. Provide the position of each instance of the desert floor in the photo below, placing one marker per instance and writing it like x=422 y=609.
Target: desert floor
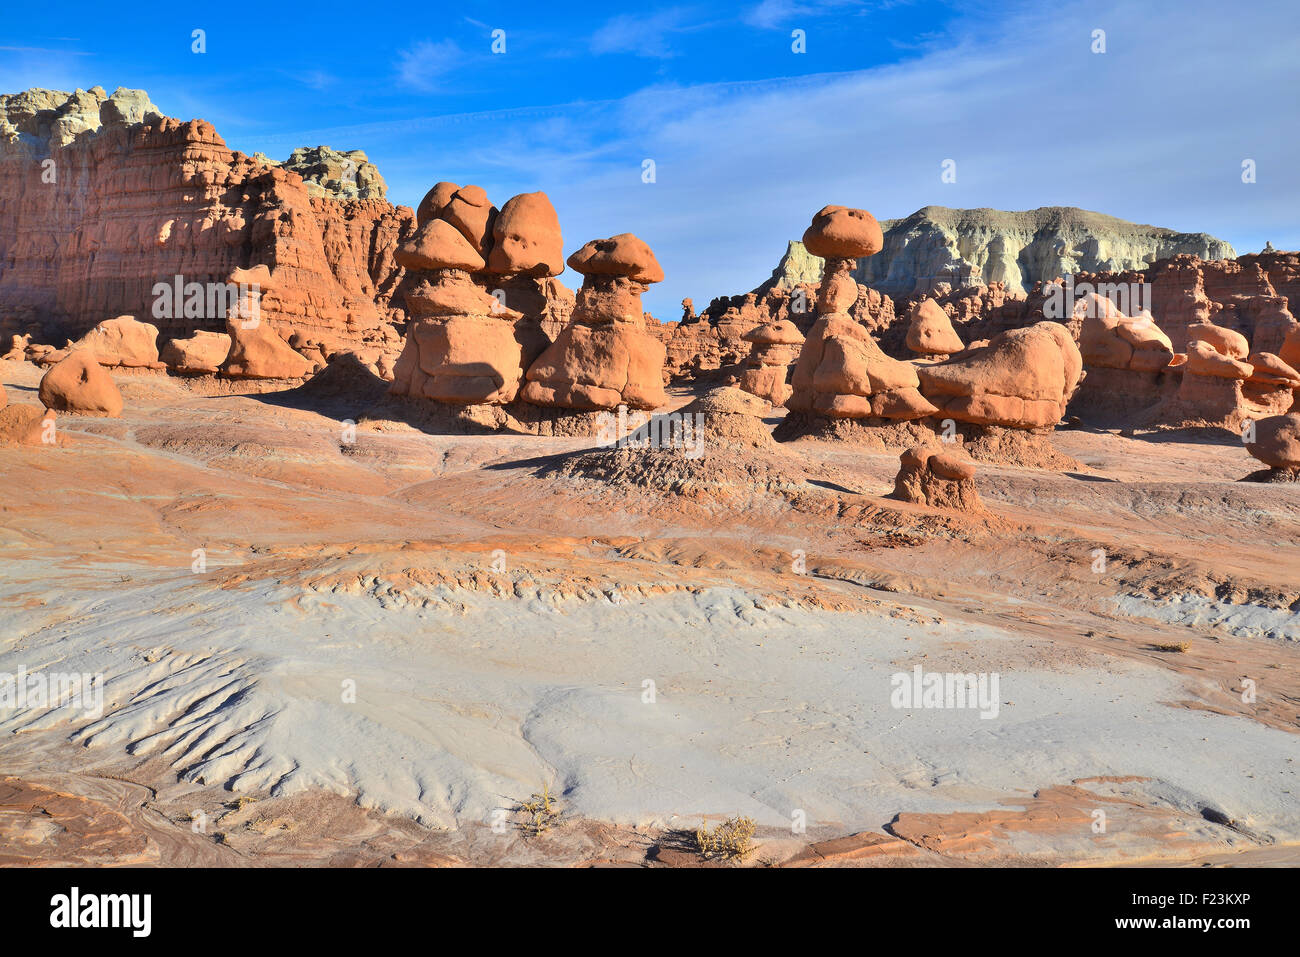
x=390 y=644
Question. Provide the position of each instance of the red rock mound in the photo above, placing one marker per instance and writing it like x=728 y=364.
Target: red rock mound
x=1022 y=379
x=79 y=384
x=938 y=477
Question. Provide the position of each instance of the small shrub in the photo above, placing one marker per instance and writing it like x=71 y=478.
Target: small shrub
x=732 y=840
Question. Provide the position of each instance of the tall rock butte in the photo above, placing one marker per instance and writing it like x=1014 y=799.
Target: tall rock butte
x=102 y=197
x=937 y=247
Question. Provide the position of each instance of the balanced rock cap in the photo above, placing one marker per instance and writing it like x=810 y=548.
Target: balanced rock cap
x=838 y=232
x=621 y=255
x=470 y=211
x=435 y=200
x=526 y=237
x=783 y=332
x=438 y=245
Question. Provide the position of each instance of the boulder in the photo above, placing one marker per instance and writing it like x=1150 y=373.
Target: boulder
x=78 y=383
x=1277 y=441
x=123 y=342
x=526 y=238
x=1269 y=370
x=622 y=255
x=1203 y=359
x=937 y=476
x=838 y=232
x=202 y=353
x=1022 y=379
x=1226 y=342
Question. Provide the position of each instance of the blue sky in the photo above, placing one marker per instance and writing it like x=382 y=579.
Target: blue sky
x=748 y=137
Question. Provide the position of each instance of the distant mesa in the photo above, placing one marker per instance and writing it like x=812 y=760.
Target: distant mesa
x=941 y=249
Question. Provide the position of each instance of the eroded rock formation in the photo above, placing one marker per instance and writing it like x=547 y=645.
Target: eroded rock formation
x=79 y=384
x=1022 y=379
x=604 y=357
x=102 y=199
x=941 y=477
x=774 y=347
x=937 y=249
x=841 y=371
x=464 y=344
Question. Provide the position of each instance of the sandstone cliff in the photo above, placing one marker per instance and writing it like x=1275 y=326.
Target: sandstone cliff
x=102 y=198
x=937 y=248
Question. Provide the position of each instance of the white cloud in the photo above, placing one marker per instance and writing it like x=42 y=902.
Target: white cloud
x=424 y=65
x=645 y=36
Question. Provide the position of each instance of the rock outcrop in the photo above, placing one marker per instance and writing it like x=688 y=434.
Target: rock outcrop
x=79 y=384
x=774 y=347
x=604 y=357
x=1022 y=379
x=104 y=202
x=841 y=372
x=333 y=174
x=938 y=477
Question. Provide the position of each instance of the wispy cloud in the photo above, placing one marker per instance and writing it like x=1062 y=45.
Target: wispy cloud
x=772 y=14
x=45 y=50
x=423 y=66
x=641 y=35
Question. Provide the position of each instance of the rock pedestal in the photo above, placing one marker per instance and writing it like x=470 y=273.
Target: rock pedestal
x=775 y=345
x=604 y=357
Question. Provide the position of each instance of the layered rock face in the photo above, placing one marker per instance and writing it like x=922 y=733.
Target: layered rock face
x=103 y=202
x=938 y=249
x=604 y=357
